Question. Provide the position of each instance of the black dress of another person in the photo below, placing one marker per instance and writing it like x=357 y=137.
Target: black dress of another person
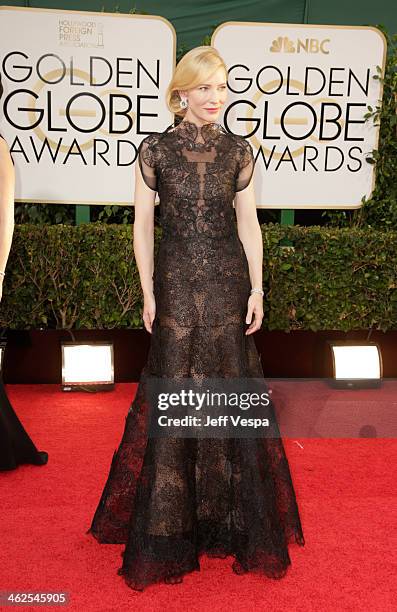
x=16 y=447
x=169 y=500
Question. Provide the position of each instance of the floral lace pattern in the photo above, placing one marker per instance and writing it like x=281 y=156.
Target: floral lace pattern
x=171 y=500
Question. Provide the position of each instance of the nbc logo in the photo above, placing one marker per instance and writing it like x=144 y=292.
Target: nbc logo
x=283 y=44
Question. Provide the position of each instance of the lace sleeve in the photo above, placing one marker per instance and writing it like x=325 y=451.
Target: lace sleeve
x=245 y=164
x=147 y=161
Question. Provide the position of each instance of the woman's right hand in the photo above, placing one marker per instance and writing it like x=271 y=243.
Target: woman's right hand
x=149 y=311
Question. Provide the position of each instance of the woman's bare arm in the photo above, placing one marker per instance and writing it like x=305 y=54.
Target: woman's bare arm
x=143 y=234
x=7 y=190
x=249 y=232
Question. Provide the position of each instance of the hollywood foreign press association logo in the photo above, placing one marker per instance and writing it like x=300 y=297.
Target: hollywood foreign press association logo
x=80 y=33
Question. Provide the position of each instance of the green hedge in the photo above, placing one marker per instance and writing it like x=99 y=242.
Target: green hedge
x=67 y=277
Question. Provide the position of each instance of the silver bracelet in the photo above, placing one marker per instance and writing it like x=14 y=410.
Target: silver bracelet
x=258 y=291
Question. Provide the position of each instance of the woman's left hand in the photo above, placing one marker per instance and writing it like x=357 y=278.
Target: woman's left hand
x=255 y=307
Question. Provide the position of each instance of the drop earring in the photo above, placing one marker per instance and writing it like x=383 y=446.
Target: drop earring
x=183 y=103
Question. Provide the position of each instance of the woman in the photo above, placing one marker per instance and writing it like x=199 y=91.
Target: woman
x=15 y=445
x=170 y=500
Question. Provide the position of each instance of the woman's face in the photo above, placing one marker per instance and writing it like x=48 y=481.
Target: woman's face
x=205 y=101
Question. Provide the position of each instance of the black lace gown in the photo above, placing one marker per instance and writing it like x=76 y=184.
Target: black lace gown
x=171 y=499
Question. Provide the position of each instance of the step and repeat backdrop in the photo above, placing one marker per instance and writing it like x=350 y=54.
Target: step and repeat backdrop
x=81 y=90
x=300 y=92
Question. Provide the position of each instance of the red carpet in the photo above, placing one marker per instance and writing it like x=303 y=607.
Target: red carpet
x=346 y=491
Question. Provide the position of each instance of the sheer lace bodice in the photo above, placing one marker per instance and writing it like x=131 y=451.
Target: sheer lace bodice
x=196 y=171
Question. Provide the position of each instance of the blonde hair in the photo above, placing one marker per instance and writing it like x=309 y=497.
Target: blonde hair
x=195 y=66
